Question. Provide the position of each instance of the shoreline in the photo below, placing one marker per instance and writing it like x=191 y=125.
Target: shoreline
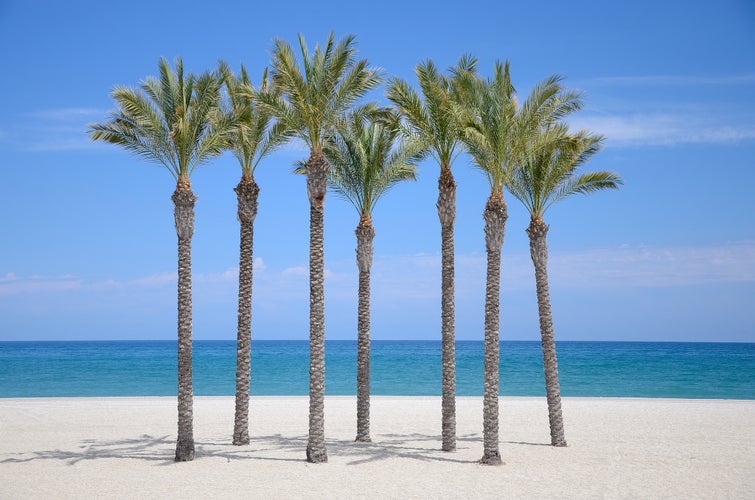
x=118 y=447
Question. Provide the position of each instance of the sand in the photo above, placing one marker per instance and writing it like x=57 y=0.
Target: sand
x=618 y=448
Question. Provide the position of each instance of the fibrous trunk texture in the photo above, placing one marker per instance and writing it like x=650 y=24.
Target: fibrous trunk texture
x=538 y=232
x=447 y=214
x=183 y=200
x=365 y=234
x=317 y=171
x=495 y=224
x=247 y=192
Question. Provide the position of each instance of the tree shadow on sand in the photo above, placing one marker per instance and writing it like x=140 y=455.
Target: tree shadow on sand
x=145 y=447
x=160 y=449
x=157 y=449
x=418 y=447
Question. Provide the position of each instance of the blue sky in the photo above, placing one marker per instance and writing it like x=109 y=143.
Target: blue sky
x=88 y=248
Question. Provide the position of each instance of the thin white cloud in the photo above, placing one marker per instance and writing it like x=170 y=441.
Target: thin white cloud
x=12 y=284
x=259 y=265
x=657 y=266
x=663 y=129
x=417 y=277
x=413 y=277
x=68 y=115
x=296 y=271
x=675 y=80
x=154 y=280
x=227 y=276
x=660 y=113
x=50 y=130
x=8 y=277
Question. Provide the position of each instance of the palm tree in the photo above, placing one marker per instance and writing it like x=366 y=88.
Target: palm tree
x=366 y=161
x=490 y=137
x=497 y=129
x=432 y=120
x=548 y=175
x=252 y=139
x=312 y=98
x=174 y=121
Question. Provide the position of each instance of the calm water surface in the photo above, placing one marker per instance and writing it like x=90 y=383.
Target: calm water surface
x=593 y=369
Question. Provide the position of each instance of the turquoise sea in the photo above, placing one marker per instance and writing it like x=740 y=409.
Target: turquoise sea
x=593 y=369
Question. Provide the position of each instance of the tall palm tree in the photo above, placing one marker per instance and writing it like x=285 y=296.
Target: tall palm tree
x=547 y=175
x=311 y=99
x=431 y=119
x=496 y=131
x=366 y=161
x=173 y=120
x=253 y=137
x=490 y=137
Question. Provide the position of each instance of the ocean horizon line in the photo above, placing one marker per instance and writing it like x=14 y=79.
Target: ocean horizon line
x=613 y=341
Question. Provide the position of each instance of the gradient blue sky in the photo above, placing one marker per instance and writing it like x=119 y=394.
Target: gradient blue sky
x=88 y=248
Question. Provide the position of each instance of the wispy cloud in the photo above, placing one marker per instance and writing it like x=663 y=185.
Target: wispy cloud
x=668 y=110
x=663 y=129
x=656 y=266
x=11 y=284
x=151 y=281
x=417 y=277
x=68 y=114
x=50 y=130
x=675 y=80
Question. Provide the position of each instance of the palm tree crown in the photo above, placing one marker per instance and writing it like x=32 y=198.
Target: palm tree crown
x=498 y=130
x=254 y=133
x=548 y=170
x=365 y=161
x=309 y=104
x=173 y=120
x=432 y=118
x=488 y=109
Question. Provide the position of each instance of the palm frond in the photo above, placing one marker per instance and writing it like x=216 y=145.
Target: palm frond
x=549 y=169
x=312 y=93
x=173 y=120
x=489 y=118
x=587 y=183
x=434 y=117
x=253 y=132
x=467 y=64
x=367 y=159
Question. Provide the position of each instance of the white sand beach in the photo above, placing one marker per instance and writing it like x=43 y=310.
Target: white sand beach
x=618 y=448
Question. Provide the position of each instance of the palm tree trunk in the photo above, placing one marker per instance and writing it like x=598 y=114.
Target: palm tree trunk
x=537 y=232
x=447 y=214
x=247 y=192
x=183 y=200
x=317 y=169
x=365 y=234
x=495 y=216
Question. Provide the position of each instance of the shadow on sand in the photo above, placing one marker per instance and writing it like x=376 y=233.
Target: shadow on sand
x=160 y=449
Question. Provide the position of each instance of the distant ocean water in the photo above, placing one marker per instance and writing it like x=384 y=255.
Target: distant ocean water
x=591 y=369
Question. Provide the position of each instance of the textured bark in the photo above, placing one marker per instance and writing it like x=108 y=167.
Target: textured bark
x=447 y=214
x=247 y=192
x=365 y=234
x=538 y=232
x=183 y=200
x=317 y=169
x=495 y=216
